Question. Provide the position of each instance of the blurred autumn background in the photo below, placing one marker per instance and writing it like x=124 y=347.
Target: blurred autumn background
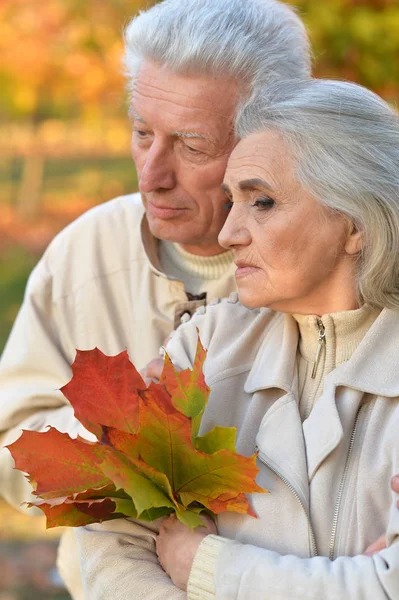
x=64 y=147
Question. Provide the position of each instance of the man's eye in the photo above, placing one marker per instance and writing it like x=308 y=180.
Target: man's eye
x=140 y=133
x=264 y=203
x=192 y=150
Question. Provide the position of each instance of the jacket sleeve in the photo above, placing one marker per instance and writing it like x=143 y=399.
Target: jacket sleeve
x=119 y=562
x=34 y=365
x=118 y=559
x=228 y=570
x=224 y=569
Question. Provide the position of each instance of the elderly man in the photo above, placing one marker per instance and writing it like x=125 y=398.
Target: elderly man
x=126 y=273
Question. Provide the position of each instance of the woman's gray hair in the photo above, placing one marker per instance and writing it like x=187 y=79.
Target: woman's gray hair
x=345 y=141
x=251 y=41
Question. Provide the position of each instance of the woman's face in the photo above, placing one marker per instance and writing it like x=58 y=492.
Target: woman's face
x=293 y=254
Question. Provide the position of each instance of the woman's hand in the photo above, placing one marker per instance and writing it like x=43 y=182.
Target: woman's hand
x=381 y=543
x=176 y=546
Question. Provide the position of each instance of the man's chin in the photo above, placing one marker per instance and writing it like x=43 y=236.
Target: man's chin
x=168 y=230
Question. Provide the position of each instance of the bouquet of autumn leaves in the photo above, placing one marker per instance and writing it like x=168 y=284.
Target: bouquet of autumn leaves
x=148 y=461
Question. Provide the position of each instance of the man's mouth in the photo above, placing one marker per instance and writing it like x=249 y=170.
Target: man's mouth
x=164 y=211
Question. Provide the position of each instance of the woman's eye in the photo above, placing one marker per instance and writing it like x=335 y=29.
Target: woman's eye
x=228 y=205
x=264 y=203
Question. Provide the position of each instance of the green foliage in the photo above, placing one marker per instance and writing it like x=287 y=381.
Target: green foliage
x=15 y=266
x=147 y=462
x=356 y=40
x=61 y=58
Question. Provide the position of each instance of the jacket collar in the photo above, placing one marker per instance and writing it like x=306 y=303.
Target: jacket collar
x=150 y=245
x=275 y=361
x=373 y=367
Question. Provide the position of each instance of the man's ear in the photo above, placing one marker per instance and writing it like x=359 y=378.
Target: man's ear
x=354 y=242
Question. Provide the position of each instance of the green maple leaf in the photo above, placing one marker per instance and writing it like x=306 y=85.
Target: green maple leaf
x=149 y=460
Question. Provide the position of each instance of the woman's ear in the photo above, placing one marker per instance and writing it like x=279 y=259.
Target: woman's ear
x=354 y=242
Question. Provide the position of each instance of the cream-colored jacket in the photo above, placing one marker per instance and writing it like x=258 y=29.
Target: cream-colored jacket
x=98 y=284
x=329 y=478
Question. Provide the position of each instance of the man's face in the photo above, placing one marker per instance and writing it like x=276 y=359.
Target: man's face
x=182 y=138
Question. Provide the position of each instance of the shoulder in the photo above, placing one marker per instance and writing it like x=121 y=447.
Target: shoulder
x=102 y=240
x=230 y=332
x=118 y=217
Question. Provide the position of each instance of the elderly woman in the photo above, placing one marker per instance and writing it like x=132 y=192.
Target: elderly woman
x=306 y=365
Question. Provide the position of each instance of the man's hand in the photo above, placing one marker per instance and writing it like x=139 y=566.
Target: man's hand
x=381 y=543
x=152 y=372
x=395 y=486
x=176 y=546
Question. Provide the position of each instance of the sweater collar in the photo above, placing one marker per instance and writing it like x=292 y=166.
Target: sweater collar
x=343 y=332
x=185 y=264
x=373 y=367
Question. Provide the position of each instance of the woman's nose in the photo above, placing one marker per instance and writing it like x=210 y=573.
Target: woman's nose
x=235 y=231
x=157 y=171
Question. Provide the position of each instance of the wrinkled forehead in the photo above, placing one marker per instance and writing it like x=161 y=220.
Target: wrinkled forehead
x=161 y=95
x=256 y=156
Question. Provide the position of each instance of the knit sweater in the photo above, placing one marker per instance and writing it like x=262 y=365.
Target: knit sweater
x=336 y=336
x=193 y=270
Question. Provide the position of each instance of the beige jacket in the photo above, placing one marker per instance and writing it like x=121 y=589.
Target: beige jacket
x=98 y=284
x=329 y=478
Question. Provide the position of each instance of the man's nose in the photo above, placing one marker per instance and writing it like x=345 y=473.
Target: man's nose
x=234 y=231
x=157 y=171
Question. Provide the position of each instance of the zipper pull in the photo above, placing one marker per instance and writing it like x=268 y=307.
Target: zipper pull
x=322 y=342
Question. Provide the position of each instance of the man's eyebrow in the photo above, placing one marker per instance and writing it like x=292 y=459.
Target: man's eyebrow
x=133 y=115
x=247 y=185
x=191 y=134
x=181 y=134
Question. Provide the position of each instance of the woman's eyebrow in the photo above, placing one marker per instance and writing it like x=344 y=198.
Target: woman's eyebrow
x=226 y=190
x=248 y=185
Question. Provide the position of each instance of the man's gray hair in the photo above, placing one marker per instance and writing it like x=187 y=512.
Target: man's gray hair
x=345 y=141
x=251 y=41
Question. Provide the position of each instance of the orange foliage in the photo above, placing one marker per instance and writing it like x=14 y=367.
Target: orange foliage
x=62 y=57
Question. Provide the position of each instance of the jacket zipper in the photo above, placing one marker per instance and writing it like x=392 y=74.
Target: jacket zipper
x=341 y=488
x=321 y=343
x=296 y=495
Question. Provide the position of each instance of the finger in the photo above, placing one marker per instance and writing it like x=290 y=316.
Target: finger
x=376 y=546
x=395 y=484
x=169 y=337
x=167 y=524
x=152 y=372
x=209 y=523
x=148 y=380
x=154 y=369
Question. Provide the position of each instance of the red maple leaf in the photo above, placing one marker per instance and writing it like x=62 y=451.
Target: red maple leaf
x=149 y=460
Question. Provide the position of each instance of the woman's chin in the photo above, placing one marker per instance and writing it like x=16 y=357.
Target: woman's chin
x=250 y=300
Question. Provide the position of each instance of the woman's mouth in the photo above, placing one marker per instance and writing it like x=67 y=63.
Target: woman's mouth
x=244 y=269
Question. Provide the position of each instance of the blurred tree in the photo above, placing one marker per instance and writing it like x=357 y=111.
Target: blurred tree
x=356 y=40
x=59 y=59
